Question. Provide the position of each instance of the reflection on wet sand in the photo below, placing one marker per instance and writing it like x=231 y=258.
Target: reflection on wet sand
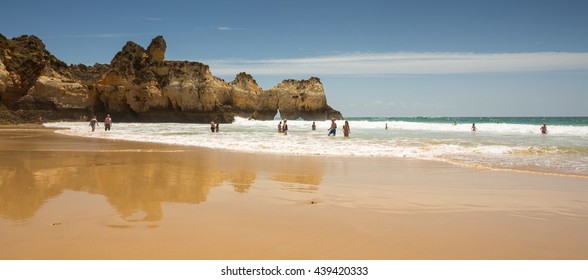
x=132 y=182
x=19 y=198
x=299 y=174
x=135 y=183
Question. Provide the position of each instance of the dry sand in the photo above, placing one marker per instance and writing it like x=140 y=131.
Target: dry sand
x=77 y=198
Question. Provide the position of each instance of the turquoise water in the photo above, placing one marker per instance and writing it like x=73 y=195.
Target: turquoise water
x=575 y=121
x=499 y=143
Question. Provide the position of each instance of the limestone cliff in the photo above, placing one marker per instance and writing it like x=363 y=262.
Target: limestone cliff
x=4 y=80
x=140 y=85
x=250 y=100
x=304 y=99
x=34 y=83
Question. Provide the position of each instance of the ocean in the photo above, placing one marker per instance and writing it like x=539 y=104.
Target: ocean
x=498 y=143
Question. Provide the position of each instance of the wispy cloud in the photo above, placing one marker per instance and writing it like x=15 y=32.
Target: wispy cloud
x=406 y=63
x=227 y=28
x=221 y=28
x=153 y=18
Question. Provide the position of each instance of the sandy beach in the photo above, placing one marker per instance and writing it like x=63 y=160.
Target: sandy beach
x=64 y=197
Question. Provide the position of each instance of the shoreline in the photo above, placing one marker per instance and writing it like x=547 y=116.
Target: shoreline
x=392 y=157
x=89 y=198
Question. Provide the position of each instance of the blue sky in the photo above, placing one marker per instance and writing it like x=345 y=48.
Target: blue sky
x=375 y=58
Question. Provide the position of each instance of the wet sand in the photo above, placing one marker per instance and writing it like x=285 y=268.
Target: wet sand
x=64 y=197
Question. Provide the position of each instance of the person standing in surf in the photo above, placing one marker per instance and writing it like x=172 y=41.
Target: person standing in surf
x=544 y=129
x=280 y=127
x=285 y=128
x=107 y=123
x=212 y=126
x=94 y=123
x=346 y=129
x=333 y=128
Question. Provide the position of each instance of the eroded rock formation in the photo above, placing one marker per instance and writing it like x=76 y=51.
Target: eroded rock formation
x=140 y=85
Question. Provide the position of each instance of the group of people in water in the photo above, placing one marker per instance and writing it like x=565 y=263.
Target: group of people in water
x=283 y=128
x=333 y=129
x=214 y=126
x=543 y=128
x=94 y=122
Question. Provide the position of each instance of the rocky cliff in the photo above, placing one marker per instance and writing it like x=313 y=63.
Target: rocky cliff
x=140 y=85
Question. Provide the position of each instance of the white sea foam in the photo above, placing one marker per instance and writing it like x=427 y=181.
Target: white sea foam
x=499 y=145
